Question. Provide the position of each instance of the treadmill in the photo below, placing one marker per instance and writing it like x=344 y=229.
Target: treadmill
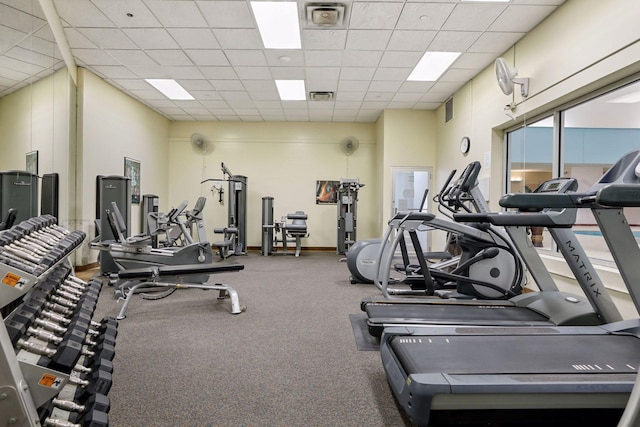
x=549 y=306
x=505 y=372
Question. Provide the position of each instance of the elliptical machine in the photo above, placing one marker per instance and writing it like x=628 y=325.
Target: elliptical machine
x=488 y=266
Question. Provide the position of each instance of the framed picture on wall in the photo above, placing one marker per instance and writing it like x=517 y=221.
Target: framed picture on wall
x=32 y=162
x=327 y=192
x=132 y=171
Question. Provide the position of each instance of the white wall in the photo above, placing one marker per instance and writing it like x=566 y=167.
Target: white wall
x=112 y=126
x=281 y=160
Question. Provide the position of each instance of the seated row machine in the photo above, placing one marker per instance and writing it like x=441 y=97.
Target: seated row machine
x=290 y=232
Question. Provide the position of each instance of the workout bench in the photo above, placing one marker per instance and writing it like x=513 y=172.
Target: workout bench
x=293 y=231
x=178 y=277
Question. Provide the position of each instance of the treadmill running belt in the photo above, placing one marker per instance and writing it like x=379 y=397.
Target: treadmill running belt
x=546 y=354
x=452 y=313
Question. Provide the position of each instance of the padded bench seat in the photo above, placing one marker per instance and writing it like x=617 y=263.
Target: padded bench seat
x=178 y=270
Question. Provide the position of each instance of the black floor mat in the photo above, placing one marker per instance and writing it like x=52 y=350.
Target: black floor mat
x=364 y=341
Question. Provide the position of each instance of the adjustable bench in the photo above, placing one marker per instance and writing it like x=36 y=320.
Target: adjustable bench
x=177 y=277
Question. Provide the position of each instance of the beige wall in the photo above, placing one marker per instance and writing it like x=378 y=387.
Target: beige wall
x=41 y=116
x=280 y=160
x=112 y=126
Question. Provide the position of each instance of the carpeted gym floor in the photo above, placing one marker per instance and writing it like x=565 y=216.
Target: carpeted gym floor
x=290 y=360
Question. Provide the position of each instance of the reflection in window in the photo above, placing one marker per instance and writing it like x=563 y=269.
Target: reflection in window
x=531 y=157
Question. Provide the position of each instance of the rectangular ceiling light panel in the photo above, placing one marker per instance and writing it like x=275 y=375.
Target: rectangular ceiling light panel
x=170 y=88
x=291 y=90
x=278 y=24
x=432 y=65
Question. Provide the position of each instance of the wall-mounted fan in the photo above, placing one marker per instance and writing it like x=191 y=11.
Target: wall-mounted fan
x=349 y=145
x=200 y=143
x=506 y=76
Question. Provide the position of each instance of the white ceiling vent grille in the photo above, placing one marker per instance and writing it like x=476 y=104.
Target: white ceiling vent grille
x=321 y=96
x=325 y=14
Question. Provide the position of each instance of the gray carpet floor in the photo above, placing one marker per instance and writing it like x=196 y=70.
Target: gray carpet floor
x=290 y=360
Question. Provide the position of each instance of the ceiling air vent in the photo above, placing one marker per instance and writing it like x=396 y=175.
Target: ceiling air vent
x=321 y=96
x=325 y=14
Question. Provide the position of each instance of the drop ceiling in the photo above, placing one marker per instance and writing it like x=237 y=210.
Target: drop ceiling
x=214 y=50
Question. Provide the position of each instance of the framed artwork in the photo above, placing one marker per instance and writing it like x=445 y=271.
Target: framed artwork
x=132 y=171
x=327 y=192
x=32 y=162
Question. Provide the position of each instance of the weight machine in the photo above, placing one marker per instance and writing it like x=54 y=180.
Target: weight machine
x=235 y=233
x=347 y=213
x=290 y=232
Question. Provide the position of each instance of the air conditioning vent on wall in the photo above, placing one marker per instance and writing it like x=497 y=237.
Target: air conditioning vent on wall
x=325 y=14
x=321 y=96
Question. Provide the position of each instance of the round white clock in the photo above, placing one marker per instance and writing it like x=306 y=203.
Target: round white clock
x=465 y=144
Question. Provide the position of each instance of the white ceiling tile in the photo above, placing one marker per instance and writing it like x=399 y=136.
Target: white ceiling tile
x=177 y=13
x=323 y=58
x=321 y=106
x=495 y=42
x=268 y=105
x=195 y=84
x=117 y=10
x=197 y=110
x=539 y=2
x=263 y=95
x=473 y=16
x=41 y=46
x=214 y=104
x=205 y=95
x=351 y=96
x=183 y=72
x=232 y=38
x=17 y=73
x=227 y=85
x=415 y=87
x=434 y=97
x=208 y=57
x=81 y=14
x=114 y=71
x=288 y=73
x=253 y=73
x=30 y=57
x=126 y=56
x=445 y=87
x=411 y=40
x=284 y=58
x=227 y=14
x=400 y=59
x=374 y=15
x=428 y=105
x=321 y=85
x=392 y=74
x=76 y=39
x=149 y=71
x=131 y=84
x=19 y=20
x=368 y=39
x=181 y=117
x=458 y=75
x=224 y=111
x=108 y=38
x=226 y=73
x=186 y=103
x=357 y=73
x=368 y=116
x=424 y=16
x=407 y=97
x=9 y=37
x=520 y=18
x=372 y=96
x=250 y=58
x=361 y=58
x=95 y=57
x=45 y=33
x=151 y=38
x=247 y=111
x=324 y=39
x=323 y=73
x=453 y=41
x=353 y=86
x=342 y=104
x=169 y=57
x=170 y=110
x=384 y=86
x=29 y=7
x=194 y=38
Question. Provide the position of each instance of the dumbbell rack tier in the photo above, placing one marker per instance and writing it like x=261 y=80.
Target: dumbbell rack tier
x=39 y=378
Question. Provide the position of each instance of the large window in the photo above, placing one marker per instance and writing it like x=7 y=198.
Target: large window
x=583 y=142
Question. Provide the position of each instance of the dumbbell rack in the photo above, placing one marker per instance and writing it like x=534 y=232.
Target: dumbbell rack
x=45 y=336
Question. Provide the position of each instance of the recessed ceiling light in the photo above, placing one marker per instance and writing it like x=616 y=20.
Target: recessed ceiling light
x=432 y=65
x=291 y=90
x=278 y=24
x=170 y=88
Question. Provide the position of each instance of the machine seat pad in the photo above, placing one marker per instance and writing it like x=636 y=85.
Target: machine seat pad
x=296 y=228
x=511 y=219
x=174 y=270
x=222 y=244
